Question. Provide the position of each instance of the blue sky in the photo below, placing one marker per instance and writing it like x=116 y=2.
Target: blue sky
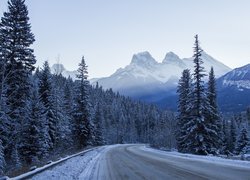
x=109 y=32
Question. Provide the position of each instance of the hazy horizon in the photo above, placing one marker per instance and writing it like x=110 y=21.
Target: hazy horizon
x=109 y=33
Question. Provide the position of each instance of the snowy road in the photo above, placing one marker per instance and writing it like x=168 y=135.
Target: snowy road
x=137 y=162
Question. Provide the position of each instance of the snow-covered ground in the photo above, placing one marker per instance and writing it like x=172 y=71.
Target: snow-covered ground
x=207 y=159
x=74 y=168
x=140 y=162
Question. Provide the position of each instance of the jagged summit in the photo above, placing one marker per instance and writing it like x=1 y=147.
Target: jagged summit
x=143 y=58
x=144 y=72
x=171 y=57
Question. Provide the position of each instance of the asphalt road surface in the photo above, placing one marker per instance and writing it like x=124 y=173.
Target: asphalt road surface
x=133 y=162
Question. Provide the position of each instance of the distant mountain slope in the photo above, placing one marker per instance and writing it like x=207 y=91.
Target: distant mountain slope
x=146 y=79
x=234 y=89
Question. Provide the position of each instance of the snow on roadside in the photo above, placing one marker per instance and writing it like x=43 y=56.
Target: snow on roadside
x=72 y=168
x=206 y=159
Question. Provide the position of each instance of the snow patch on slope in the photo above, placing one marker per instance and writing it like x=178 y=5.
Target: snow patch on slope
x=239 y=84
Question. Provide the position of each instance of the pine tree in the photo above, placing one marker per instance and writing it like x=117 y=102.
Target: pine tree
x=212 y=116
x=62 y=114
x=82 y=122
x=243 y=142
x=184 y=90
x=17 y=63
x=198 y=131
x=36 y=136
x=46 y=96
x=18 y=38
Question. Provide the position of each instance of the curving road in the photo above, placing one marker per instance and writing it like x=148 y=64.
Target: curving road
x=121 y=162
x=135 y=162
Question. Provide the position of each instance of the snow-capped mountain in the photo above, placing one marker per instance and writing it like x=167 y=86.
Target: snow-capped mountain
x=238 y=78
x=145 y=77
x=234 y=89
x=59 y=69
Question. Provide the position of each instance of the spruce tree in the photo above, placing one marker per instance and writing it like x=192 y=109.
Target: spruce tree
x=82 y=128
x=16 y=31
x=198 y=131
x=17 y=63
x=46 y=96
x=184 y=111
x=243 y=142
x=36 y=135
x=212 y=116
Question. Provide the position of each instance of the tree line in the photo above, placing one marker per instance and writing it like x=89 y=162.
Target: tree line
x=44 y=116
x=201 y=128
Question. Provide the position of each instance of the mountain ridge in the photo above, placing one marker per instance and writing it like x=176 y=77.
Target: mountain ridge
x=144 y=69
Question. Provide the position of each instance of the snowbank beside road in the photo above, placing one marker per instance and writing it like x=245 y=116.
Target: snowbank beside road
x=71 y=169
x=207 y=159
x=79 y=167
x=50 y=165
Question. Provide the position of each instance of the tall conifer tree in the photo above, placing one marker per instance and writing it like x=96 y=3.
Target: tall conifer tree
x=199 y=129
x=82 y=128
x=17 y=63
x=46 y=96
x=184 y=109
x=212 y=115
x=243 y=142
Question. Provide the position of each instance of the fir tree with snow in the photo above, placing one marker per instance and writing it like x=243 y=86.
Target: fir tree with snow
x=198 y=134
x=212 y=115
x=184 y=111
x=17 y=63
x=46 y=97
x=62 y=115
x=243 y=142
x=36 y=135
x=82 y=128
